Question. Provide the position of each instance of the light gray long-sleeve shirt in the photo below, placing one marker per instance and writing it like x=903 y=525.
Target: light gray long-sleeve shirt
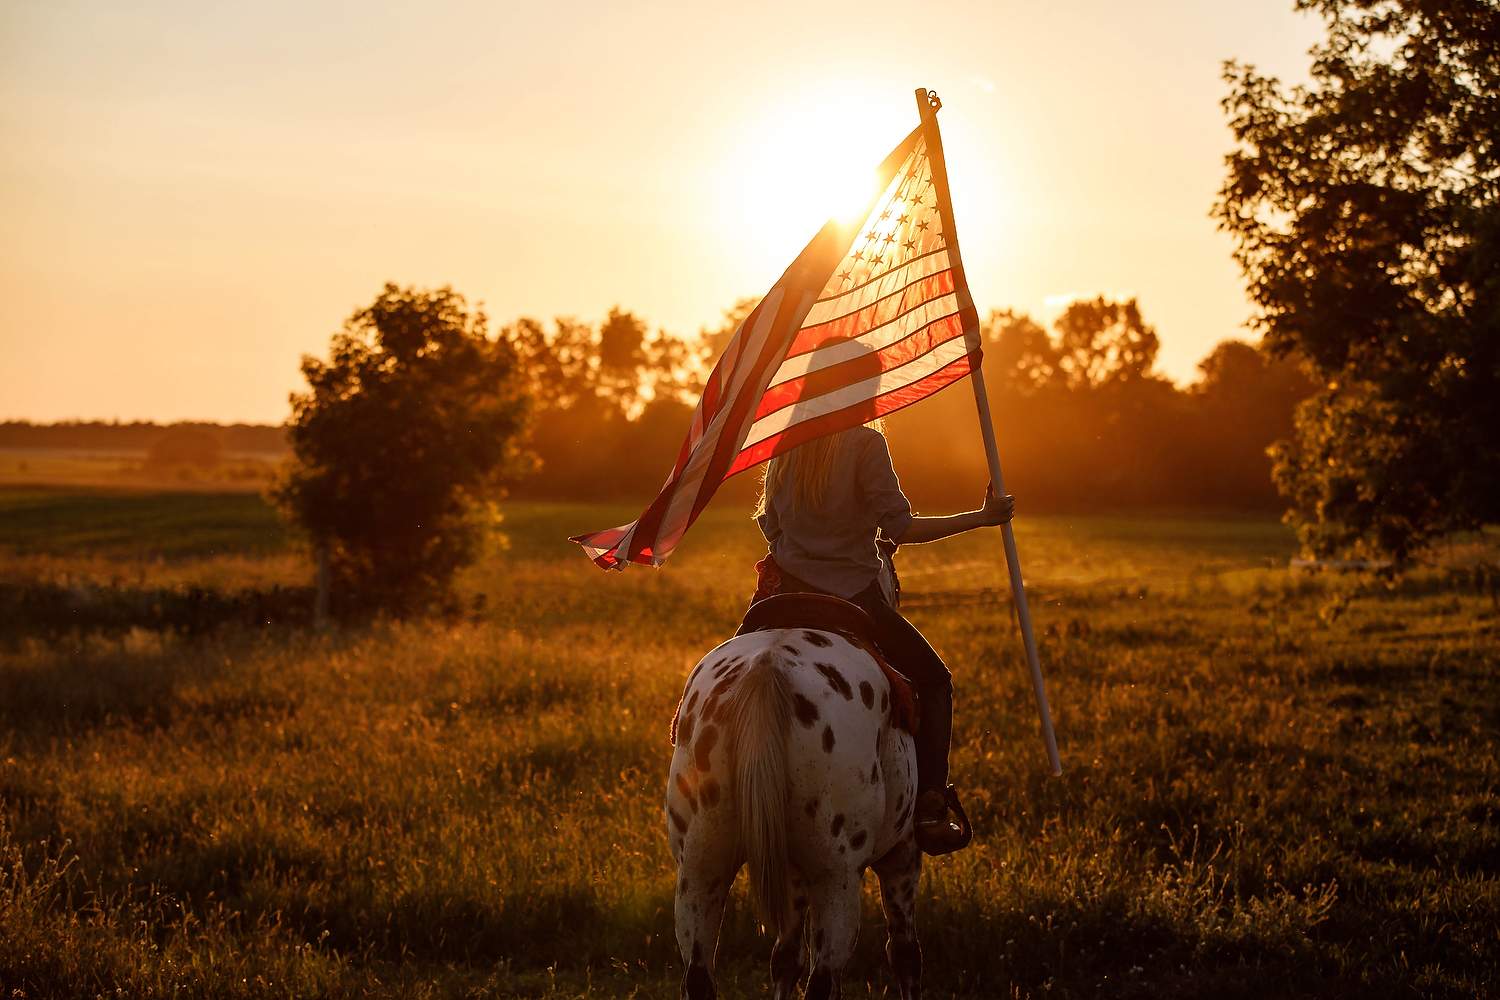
x=834 y=548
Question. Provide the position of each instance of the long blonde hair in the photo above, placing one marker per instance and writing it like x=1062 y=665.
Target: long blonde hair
x=809 y=466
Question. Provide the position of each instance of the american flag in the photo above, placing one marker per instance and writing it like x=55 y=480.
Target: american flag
x=865 y=321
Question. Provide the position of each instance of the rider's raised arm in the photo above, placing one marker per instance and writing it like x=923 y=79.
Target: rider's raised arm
x=996 y=510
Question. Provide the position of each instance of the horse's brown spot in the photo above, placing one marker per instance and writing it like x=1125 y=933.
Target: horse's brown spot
x=858 y=840
x=691 y=702
x=835 y=680
x=677 y=819
x=885 y=700
x=828 y=739
x=685 y=731
x=686 y=791
x=791 y=649
x=710 y=793
x=875 y=773
x=836 y=825
x=867 y=694
x=704 y=747
x=812 y=807
x=723 y=685
x=807 y=712
x=723 y=665
x=821 y=641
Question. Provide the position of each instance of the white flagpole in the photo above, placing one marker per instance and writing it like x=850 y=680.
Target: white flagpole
x=928 y=104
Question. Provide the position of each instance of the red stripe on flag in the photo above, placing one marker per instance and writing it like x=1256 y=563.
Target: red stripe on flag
x=852 y=416
x=725 y=451
x=649 y=522
x=857 y=369
x=877 y=313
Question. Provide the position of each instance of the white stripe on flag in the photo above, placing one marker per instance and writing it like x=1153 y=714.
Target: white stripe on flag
x=876 y=338
x=808 y=409
x=834 y=307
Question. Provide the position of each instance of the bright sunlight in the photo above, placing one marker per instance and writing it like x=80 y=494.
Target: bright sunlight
x=795 y=163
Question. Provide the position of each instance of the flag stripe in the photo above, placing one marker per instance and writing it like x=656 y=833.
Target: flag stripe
x=638 y=544
x=902 y=326
x=875 y=315
x=774 y=423
x=832 y=306
x=865 y=365
x=859 y=412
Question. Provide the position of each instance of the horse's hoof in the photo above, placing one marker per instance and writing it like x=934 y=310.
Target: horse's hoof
x=936 y=831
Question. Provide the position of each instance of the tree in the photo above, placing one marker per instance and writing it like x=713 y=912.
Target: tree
x=399 y=443
x=612 y=405
x=1365 y=211
x=1243 y=402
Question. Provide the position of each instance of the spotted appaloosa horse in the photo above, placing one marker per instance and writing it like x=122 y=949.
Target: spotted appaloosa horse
x=788 y=761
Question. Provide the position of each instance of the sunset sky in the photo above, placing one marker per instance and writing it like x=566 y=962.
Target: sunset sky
x=193 y=195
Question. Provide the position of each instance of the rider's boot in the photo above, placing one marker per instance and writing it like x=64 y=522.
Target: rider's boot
x=937 y=831
x=941 y=826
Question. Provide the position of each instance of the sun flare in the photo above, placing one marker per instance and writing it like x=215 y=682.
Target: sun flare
x=798 y=164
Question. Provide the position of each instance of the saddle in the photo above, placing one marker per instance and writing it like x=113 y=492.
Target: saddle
x=831 y=614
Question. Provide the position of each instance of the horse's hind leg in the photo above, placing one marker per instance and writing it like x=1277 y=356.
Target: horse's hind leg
x=899 y=872
x=789 y=956
x=705 y=872
x=834 y=923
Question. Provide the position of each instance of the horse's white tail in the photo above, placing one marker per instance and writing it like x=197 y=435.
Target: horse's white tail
x=761 y=714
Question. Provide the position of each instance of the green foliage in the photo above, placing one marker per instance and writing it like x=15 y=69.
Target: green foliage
x=613 y=405
x=1085 y=422
x=136 y=525
x=1256 y=803
x=1366 y=211
x=400 y=444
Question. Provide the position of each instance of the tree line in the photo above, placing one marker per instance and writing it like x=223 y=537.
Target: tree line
x=1085 y=420
x=140 y=435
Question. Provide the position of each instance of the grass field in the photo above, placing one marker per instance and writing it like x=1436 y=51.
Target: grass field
x=1278 y=783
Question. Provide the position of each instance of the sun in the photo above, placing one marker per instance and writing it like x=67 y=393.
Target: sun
x=796 y=164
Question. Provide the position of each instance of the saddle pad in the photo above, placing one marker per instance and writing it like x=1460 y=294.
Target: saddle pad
x=832 y=614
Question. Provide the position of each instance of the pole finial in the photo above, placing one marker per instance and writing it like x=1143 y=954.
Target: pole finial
x=928 y=104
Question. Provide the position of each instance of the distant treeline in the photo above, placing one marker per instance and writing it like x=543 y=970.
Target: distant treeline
x=136 y=436
x=1084 y=421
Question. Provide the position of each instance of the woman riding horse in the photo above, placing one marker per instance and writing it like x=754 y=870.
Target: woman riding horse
x=821 y=508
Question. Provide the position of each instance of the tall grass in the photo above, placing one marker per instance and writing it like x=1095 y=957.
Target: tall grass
x=1263 y=796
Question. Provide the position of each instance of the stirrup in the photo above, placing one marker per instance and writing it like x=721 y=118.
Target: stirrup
x=947 y=833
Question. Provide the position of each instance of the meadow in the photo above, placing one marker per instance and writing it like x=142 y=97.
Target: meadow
x=1279 y=782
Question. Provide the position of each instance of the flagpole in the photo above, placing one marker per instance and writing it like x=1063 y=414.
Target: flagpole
x=928 y=105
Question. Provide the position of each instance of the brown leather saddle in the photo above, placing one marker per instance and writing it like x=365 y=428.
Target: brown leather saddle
x=832 y=614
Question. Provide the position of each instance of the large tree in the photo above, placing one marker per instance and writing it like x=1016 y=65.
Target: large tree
x=399 y=444
x=1366 y=211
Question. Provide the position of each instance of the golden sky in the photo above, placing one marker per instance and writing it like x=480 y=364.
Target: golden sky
x=193 y=194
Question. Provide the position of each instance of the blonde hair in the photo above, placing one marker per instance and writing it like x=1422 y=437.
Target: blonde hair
x=809 y=466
